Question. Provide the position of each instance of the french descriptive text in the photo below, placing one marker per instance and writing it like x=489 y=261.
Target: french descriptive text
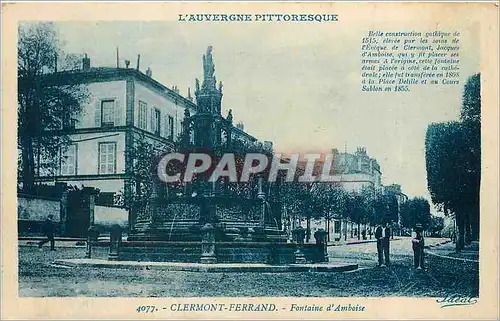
x=398 y=61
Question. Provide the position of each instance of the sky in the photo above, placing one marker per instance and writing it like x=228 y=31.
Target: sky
x=297 y=85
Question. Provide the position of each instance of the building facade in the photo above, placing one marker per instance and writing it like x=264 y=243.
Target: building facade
x=123 y=103
x=355 y=171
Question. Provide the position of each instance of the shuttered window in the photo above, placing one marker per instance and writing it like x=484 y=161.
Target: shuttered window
x=170 y=127
x=107 y=113
x=156 y=121
x=68 y=160
x=143 y=111
x=107 y=158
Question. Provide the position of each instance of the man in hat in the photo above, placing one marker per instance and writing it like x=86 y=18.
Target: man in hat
x=383 y=234
x=49 y=228
x=418 y=244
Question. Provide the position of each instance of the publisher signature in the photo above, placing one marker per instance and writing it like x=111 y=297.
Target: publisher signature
x=450 y=300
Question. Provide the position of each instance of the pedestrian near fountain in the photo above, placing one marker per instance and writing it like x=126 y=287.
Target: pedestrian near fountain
x=418 y=244
x=49 y=230
x=383 y=234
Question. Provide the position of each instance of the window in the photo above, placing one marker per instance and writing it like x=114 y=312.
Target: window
x=156 y=121
x=170 y=127
x=143 y=111
x=107 y=113
x=107 y=158
x=68 y=161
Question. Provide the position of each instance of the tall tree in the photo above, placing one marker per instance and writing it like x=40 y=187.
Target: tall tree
x=329 y=202
x=415 y=211
x=146 y=186
x=471 y=126
x=436 y=225
x=42 y=104
x=471 y=100
x=453 y=161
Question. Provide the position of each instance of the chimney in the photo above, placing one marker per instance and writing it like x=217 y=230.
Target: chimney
x=189 y=97
x=149 y=73
x=240 y=126
x=268 y=145
x=86 y=63
x=127 y=63
x=138 y=61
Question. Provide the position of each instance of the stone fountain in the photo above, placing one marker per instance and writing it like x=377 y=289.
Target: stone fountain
x=213 y=222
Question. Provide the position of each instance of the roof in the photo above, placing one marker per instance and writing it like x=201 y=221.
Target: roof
x=99 y=74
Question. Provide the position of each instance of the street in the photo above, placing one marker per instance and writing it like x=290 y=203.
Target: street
x=38 y=278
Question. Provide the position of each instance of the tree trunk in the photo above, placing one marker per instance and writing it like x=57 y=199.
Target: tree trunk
x=328 y=230
x=455 y=229
x=345 y=230
x=359 y=231
x=28 y=172
x=475 y=225
x=308 y=229
x=467 y=238
x=352 y=230
x=461 y=232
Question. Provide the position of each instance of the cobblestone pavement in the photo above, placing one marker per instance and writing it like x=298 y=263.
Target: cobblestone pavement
x=365 y=254
x=38 y=277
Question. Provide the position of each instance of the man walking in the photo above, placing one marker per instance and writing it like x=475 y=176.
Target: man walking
x=383 y=234
x=48 y=229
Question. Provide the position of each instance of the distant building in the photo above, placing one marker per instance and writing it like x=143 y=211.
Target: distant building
x=355 y=171
x=395 y=189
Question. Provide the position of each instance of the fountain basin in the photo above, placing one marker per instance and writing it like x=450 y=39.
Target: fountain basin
x=225 y=252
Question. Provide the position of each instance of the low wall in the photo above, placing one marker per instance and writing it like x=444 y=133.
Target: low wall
x=32 y=211
x=226 y=252
x=107 y=216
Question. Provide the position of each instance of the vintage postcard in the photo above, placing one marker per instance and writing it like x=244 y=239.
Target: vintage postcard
x=251 y=160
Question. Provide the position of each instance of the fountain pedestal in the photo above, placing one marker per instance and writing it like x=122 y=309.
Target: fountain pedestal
x=298 y=235
x=208 y=244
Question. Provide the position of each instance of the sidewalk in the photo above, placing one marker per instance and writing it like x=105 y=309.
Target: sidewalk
x=356 y=241
x=447 y=250
x=60 y=241
x=215 y=267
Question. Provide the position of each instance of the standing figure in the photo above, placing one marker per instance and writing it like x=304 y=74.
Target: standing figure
x=383 y=234
x=418 y=244
x=49 y=230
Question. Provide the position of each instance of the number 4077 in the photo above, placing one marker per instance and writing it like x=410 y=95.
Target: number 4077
x=146 y=309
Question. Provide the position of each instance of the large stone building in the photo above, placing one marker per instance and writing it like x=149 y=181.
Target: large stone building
x=355 y=171
x=123 y=102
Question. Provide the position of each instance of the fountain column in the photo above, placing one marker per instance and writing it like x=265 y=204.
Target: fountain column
x=262 y=197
